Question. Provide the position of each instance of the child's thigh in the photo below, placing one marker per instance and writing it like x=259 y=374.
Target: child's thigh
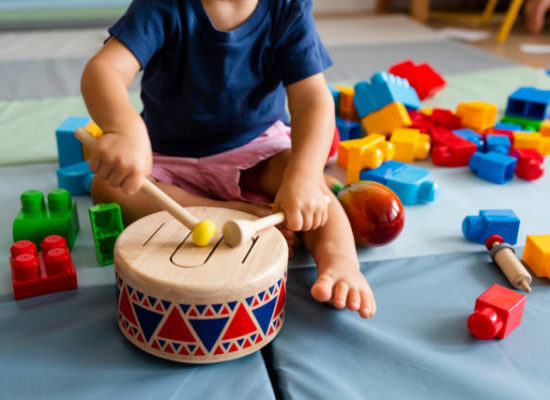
x=266 y=176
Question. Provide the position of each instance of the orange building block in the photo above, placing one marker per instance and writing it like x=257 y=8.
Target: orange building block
x=477 y=115
x=410 y=145
x=96 y=132
x=387 y=119
x=537 y=254
x=545 y=128
x=368 y=152
x=346 y=107
x=528 y=140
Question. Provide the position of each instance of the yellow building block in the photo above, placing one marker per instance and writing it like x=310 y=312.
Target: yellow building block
x=545 y=128
x=387 y=119
x=427 y=111
x=477 y=115
x=368 y=152
x=96 y=132
x=410 y=145
x=537 y=254
x=528 y=140
x=346 y=106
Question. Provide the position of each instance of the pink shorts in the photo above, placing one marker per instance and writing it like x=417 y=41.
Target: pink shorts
x=217 y=176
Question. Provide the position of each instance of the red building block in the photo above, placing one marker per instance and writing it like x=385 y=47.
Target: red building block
x=449 y=149
x=422 y=77
x=420 y=121
x=498 y=311
x=530 y=165
x=48 y=271
x=446 y=119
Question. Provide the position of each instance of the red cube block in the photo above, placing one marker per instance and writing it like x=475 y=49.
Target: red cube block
x=48 y=271
x=425 y=80
x=530 y=165
x=449 y=149
x=498 y=311
x=446 y=119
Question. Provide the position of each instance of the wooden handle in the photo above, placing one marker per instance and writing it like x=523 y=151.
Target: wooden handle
x=269 y=221
x=148 y=187
x=238 y=231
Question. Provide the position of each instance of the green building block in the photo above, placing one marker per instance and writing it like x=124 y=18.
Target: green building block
x=106 y=221
x=36 y=220
x=527 y=124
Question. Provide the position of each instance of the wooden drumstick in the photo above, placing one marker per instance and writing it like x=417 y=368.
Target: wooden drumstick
x=201 y=231
x=238 y=231
x=504 y=256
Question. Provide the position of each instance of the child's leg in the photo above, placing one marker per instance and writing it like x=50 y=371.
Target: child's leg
x=339 y=279
x=535 y=12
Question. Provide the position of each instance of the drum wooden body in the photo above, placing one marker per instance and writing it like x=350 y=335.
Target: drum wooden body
x=199 y=304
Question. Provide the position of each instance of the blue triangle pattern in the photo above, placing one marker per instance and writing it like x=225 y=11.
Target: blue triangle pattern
x=253 y=337
x=191 y=347
x=231 y=305
x=271 y=289
x=226 y=345
x=208 y=330
x=200 y=307
x=240 y=342
x=152 y=300
x=279 y=282
x=117 y=294
x=135 y=330
x=130 y=290
x=166 y=304
x=261 y=295
x=263 y=313
x=139 y=295
x=176 y=345
x=162 y=343
x=249 y=300
x=217 y=307
x=184 y=307
x=148 y=320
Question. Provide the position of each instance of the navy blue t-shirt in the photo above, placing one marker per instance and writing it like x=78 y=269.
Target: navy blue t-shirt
x=205 y=91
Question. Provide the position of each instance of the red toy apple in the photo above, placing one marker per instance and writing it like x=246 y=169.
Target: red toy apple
x=374 y=211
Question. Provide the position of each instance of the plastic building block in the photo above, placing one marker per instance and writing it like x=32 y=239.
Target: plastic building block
x=410 y=144
x=532 y=141
x=502 y=132
x=445 y=118
x=497 y=143
x=409 y=182
x=96 y=132
x=472 y=136
x=382 y=90
x=106 y=221
x=35 y=221
x=346 y=106
x=478 y=228
x=48 y=271
x=530 y=103
x=536 y=255
x=69 y=149
x=385 y=120
x=422 y=77
x=493 y=167
x=450 y=150
x=497 y=312
x=530 y=165
x=507 y=126
x=368 y=152
x=545 y=128
x=76 y=178
x=334 y=146
x=526 y=124
x=420 y=121
x=477 y=115
x=348 y=129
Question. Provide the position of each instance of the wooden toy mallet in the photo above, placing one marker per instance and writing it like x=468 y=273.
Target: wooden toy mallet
x=201 y=231
x=504 y=256
x=237 y=231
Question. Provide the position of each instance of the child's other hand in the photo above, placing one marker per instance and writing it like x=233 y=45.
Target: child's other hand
x=123 y=158
x=305 y=203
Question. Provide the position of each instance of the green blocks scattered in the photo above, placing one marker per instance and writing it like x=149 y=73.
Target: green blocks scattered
x=527 y=124
x=36 y=220
x=106 y=222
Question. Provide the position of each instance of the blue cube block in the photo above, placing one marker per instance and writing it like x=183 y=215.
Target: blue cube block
x=472 y=136
x=508 y=126
x=530 y=103
x=491 y=222
x=497 y=143
x=76 y=178
x=348 y=129
x=493 y=167
x=69 y=149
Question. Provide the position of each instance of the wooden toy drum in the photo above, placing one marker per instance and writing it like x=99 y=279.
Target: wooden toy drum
x=199 y=304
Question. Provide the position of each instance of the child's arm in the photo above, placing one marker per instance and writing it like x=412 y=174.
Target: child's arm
x=302 y=194
x=123 y=156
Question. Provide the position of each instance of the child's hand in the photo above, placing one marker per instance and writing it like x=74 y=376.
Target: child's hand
x=123 y=158
x=305 y=203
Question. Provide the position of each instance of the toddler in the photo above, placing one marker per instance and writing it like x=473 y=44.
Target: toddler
x=213 y=129
x=535 y=11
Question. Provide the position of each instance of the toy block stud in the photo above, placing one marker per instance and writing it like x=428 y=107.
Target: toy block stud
x=545 y=128
x=477 y=115
x=387 y=119
x=504 y=255
x=536 y=254
x=450 y=150
x=497 y=143
x=493 y=167
x=426 y=81
x=530 y=165
x=410 y=145
x=472 y=136
x=48 y=271
x=532 y=141
x=348 y=129
x=106 y=222
x=530 y=103
x=69 y=149
x=36 y=220
x=491 y=222
x=96 y=132
x=497 y=312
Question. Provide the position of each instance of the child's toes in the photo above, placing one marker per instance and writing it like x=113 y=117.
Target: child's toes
x=354 y=299
x=340 y=296
x=368 y=305
x=322 y=288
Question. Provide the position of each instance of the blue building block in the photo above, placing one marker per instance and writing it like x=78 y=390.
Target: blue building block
x=497 y=143
x=336 y=96
x=76 y=178
x=491 y=222
x=69 y=149
x=409 y=182
x=383 y=89
x=530 y=103
x=348 y=129
x=493 y=167
x=472 y=136
x=508 y=126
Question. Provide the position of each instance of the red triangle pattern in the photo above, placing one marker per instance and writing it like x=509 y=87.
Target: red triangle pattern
x=134 y=297
x=225 y=311
x=125 y=307
x=219 y=350
x=193 y=313
x=209 y=312
x=175 y=328
x=184 y=351
x=240 y=325
x=233 y=348
x=130 y=331
x=258 y=339
x=169 y=348
x=247 y=343
x=145 y=302
x=156 y=345
x=281 y=301
x=255 y=303
x=159 y=307
x=140 y=338
x=266 y=297
x=199 y=352
x=270 y=331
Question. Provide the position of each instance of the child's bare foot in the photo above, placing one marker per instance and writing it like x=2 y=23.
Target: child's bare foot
x=340 y=282
x=535 y=11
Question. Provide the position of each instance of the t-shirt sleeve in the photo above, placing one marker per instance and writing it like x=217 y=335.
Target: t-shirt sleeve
x=144 y=27
x=300 y=52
